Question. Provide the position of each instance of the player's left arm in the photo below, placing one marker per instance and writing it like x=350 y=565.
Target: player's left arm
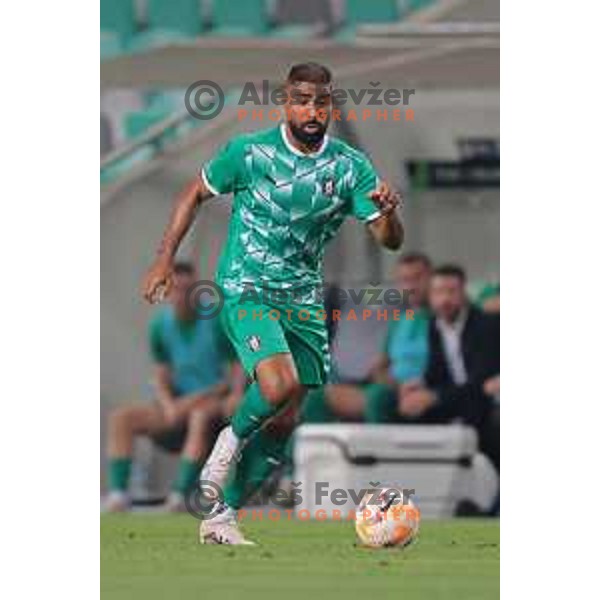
x=387 y=228
x=375 y=203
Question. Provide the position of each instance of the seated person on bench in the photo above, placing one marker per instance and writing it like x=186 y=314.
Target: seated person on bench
x=191 y=395
x=462 y=379
x=403 y=357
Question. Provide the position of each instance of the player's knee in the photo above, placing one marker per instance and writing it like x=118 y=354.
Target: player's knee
x=278 y=388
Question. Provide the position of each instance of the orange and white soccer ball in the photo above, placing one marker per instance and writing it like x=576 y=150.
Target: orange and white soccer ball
x=385 y=518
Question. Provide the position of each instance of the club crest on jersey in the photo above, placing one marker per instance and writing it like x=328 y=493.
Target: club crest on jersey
x=328 y=187
x=253 y=343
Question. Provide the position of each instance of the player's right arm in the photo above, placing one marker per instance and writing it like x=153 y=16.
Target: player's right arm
x=158 y=279
x=218 y=176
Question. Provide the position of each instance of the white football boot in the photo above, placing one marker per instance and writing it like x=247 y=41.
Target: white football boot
x=223 y=529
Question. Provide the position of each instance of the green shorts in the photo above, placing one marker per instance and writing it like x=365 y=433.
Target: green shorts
x=258 y=330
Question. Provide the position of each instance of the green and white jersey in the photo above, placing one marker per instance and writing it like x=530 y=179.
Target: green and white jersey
x=286 y=206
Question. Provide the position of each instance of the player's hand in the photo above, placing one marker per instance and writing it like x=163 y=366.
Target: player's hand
x=386 y=199
x=158 y=280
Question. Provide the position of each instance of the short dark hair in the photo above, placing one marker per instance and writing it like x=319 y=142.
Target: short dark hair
x=450 y=270
x=184 y=267
x=309 y=72
x=410 y=258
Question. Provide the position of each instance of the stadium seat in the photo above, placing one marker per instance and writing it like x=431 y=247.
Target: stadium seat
x=418 y=4
x=118 y=17
x=239 y=19
x=161 y=106
x=138 y=122
x=168 y=100
x=361 y=12
x=181 y=16
x=110 y=45
x=135 y=124
x=116 y=170
x=168 y=21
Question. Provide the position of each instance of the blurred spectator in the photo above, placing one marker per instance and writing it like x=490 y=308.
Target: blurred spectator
x=404 y=352
x=191 y=395
x=462 y=379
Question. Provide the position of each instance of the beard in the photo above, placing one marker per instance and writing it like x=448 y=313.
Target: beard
x=309 y=138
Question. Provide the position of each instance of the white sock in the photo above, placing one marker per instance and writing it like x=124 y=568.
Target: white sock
x=230 y=440
x=227 y=439
x=216 y=468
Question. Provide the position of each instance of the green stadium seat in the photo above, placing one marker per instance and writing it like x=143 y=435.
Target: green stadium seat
x=118 y=17
x=419 y=4
x=169 y=100
x=361 y=12
x=181 y=16
x=368 y=12
x=169 y=21
x=239 y=18
x=122 y=166
x=139 y=121
x=110 y=45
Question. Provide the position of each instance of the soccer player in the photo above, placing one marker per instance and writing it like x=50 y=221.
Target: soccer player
x=191 y=391
x=293 y=187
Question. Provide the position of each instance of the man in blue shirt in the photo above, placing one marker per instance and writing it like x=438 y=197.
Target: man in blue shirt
x=405 y=352
x=403 y=358
x=191 y=392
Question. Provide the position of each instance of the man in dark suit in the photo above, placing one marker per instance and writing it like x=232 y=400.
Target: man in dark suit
x=462 y=379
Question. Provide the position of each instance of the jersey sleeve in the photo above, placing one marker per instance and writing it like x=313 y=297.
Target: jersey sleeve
x=158 y=350
x=222 y=172
x=364 y=182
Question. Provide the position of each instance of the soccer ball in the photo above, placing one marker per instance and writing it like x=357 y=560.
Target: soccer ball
x=385 y=518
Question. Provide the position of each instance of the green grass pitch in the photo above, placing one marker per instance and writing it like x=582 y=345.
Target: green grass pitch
x=152 y=557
